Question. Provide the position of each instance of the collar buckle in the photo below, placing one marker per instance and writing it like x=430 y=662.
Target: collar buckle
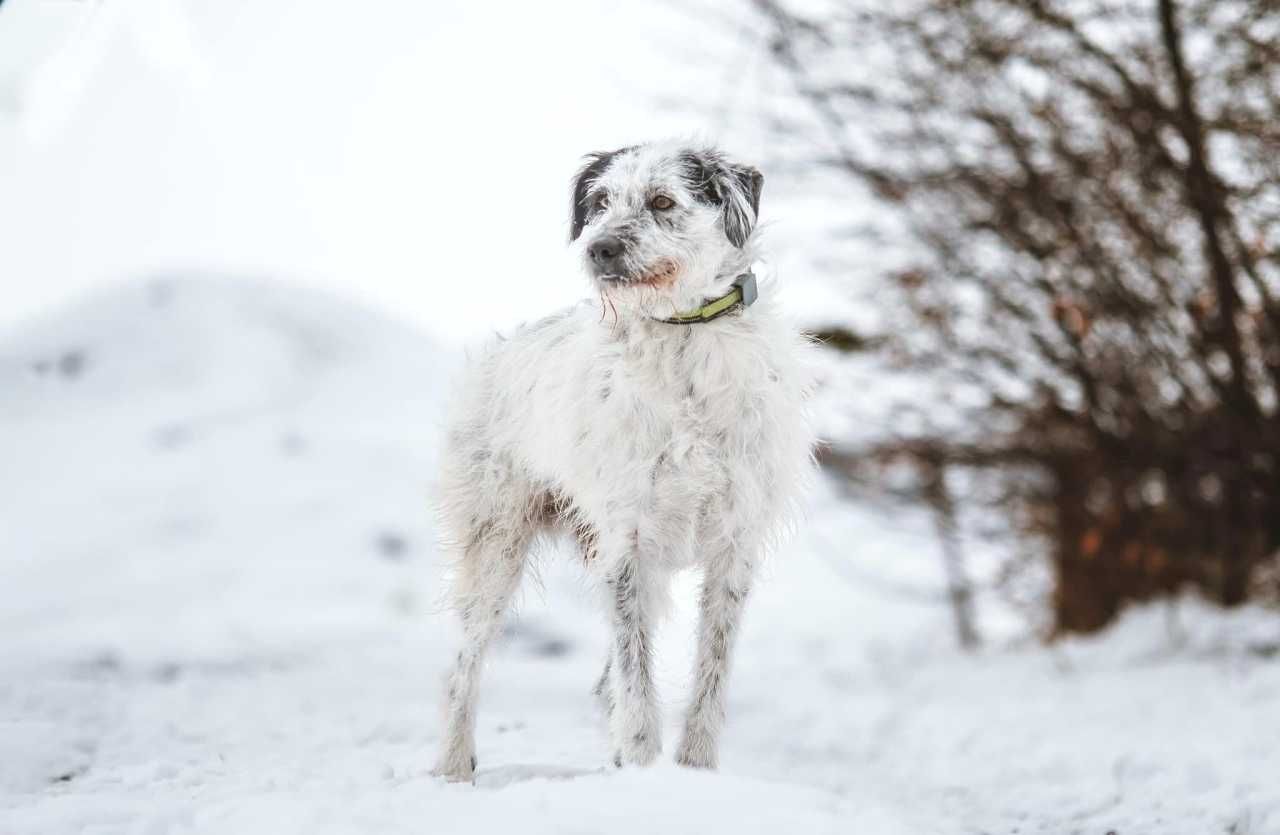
x=747 y=284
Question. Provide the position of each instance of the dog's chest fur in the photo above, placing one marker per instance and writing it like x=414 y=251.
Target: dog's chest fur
x=662 y=430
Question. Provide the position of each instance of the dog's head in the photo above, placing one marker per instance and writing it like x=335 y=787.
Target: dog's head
x=664 y=225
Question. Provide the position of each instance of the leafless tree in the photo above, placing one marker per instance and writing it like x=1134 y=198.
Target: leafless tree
x=1087 y=197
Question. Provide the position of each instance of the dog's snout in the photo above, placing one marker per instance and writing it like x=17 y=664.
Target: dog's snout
x=605 y=251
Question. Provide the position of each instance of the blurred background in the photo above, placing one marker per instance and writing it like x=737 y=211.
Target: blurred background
x=244 y=247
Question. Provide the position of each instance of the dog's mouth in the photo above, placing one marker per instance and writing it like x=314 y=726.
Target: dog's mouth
x=661 y=275
x=664 y=274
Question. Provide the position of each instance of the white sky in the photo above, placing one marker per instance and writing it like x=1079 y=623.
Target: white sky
x=414 y=155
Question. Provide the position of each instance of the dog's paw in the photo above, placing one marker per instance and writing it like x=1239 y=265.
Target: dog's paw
x=456 y=767
x=696 y=751
x=640 y=748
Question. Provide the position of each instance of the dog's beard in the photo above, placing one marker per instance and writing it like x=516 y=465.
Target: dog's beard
x=660 y=274
x=649 y=295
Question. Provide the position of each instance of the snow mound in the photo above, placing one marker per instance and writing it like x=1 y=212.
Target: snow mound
x=237 y=347
x=186 y=455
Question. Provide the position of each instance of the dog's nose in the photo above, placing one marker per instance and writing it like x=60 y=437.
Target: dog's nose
x=605 y=251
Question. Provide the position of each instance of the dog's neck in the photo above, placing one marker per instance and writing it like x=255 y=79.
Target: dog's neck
x=685 y=308
x=738 y=262
x=740 y=295
x=733 y=290
x=658 y=327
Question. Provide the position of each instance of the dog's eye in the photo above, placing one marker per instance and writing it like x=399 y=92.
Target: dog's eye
x=662 y=203
x=601 y=203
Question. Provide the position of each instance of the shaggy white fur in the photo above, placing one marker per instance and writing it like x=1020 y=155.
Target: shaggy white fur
x=659 y=446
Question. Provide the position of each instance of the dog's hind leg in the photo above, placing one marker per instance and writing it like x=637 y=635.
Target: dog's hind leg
x=603 y=689
x=487 y=576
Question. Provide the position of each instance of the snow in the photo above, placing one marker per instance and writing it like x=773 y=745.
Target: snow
x=219 y=608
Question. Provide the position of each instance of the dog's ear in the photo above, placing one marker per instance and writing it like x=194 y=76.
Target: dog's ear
x=591 y=169
x=742 y=202
x=734 y=188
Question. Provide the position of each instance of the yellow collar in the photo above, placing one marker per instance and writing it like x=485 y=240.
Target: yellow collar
x=741 y=294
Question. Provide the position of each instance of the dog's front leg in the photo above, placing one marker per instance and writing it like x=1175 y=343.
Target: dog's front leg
x=724 y=591
x=635 y=723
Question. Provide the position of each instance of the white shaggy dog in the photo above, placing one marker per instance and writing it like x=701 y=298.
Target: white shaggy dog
x=665 y=427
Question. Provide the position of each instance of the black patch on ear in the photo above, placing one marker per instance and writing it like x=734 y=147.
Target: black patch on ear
x=751 y=182
x=745 y=186
x=732 y=187
x=595 y=165
x=700 y=173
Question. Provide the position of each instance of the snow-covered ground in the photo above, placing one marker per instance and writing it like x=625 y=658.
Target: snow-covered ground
x=219 y=613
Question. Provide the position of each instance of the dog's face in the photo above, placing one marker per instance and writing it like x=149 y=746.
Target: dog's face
x=664 y=225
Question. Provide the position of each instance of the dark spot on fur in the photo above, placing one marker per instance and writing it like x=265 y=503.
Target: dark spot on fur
x=657 y=465
x=582 y=210
x=700 y=176
x=751 y=182
x=624 y=594
x=603 y=682
x=719 y=646
x=480 y=532
x=605 y=393
x=667 y=219
x=716 y=182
